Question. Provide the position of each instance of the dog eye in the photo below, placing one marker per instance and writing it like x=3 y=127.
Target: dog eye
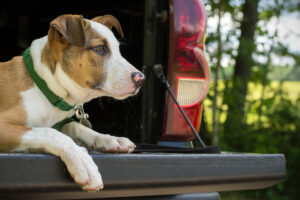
x=100 y=49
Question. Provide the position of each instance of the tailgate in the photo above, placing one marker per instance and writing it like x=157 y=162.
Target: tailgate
x=128 y=175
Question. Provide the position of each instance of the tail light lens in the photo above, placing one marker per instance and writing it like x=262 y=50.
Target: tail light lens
x=188 y=72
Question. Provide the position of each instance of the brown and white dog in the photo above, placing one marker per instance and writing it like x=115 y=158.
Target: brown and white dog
x=79 y=60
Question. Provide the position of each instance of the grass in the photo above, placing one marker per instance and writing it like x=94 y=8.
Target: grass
x=290 y=88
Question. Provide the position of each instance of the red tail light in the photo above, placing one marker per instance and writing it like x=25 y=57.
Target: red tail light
x=188 y=73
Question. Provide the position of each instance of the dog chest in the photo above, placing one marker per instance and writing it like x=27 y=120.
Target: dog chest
x=40 y=112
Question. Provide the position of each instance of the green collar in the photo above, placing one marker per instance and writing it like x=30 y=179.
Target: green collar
x=42 y=85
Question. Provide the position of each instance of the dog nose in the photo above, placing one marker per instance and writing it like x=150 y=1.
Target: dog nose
x=137 y=78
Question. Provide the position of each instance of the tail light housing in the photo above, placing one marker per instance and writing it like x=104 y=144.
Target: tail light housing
x=188 y=72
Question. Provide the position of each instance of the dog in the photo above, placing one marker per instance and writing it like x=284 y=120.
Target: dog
x=78 y=60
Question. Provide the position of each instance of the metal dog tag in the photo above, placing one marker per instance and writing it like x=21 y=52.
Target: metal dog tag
x=83 y=117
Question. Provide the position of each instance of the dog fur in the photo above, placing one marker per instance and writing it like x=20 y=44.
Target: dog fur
x=79 y=60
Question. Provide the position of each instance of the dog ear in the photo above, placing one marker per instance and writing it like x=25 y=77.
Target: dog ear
x=68 y=27
x=110 y=21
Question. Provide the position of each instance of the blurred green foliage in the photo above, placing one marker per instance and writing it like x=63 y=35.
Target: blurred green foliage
x=271 y=123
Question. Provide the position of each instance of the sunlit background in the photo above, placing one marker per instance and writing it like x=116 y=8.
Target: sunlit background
x=254 y=104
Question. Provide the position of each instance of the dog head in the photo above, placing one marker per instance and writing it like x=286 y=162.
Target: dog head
x=88 y=52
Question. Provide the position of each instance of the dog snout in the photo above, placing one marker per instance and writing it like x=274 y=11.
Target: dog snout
x=137 y=78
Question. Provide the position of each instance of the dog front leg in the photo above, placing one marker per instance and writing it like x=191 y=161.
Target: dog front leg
x=102 y=142
x=79 y=163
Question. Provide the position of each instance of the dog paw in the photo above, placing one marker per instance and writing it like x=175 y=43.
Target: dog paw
x=82 y=168
x=108 y=143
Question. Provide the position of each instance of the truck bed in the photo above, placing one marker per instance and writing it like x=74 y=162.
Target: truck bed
x=142 y=174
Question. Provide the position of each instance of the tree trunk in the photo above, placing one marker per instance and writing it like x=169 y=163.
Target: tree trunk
x=216 y=79
x=236 y=97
